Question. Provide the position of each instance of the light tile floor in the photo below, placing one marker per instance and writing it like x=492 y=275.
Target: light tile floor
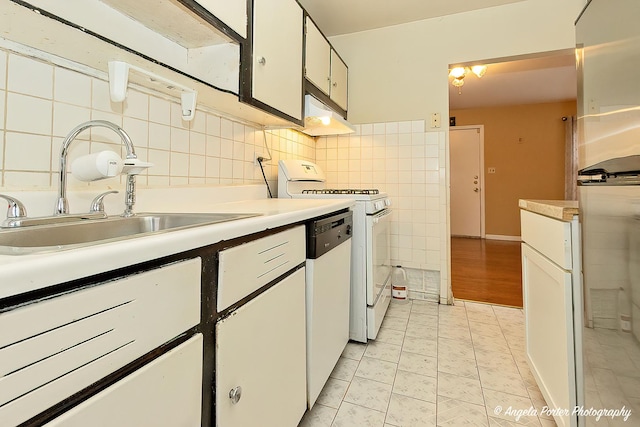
x=434 y=365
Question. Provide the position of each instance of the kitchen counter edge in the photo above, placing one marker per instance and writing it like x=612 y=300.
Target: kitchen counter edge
x=24 y=273
x=563 y=210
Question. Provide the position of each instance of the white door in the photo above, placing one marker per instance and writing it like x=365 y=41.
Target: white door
x=317 y=57
x=165 y=393
x=465 y=148
x=277 y=55
x=339 y=79
x=261 y=359
x=547 y=291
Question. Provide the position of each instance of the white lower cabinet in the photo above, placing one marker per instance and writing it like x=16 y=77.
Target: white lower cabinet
x=164 y=393
x=551 y=282
x=55 y=347
x=260 y=359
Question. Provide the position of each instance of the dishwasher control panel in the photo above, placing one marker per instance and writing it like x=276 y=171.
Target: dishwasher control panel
x=326 y=233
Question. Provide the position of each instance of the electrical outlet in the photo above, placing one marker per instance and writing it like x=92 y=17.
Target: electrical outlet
x=256 y=155
x=492 y=170
x=435 y=120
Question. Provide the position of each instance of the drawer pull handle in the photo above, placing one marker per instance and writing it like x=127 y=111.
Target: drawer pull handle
x=235 y=394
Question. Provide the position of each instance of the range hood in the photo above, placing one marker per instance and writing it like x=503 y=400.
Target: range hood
x=320 y=120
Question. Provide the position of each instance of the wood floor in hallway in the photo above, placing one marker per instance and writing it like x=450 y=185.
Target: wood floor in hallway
x=486 y=271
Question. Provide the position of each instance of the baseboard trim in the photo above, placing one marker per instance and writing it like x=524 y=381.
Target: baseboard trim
x=501 y=237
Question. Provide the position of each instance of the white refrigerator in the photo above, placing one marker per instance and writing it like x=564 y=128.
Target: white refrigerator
x=608 y=38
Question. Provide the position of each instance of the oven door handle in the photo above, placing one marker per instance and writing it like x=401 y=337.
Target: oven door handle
x=377 y=217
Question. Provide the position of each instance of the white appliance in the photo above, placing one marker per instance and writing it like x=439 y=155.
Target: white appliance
x=328 y=290
x=370 y=250
x=322 y=120
x=608 y=40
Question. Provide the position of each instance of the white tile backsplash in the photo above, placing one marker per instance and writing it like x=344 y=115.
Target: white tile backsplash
x=30 y=77
x=161 y=160
x=159 y=110
x=3 y=96
x=159 y=136
x=179 y=140
x=100 y=99
x=3 y=70
x=27 y=152
x=179 y=164
x=28 y=114
x=67 y=116
x=136 y=105
x=1 y=150
x=71 y=87
x=44 y=102
x=213 y=125
x=403 y=160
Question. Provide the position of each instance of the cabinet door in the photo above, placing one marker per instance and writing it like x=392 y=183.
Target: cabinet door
x=166 y=392
x=339 y=79
x=261 y=348
x=231 y=12
x=549 y=333
x=317 y=59
x=277 y=55
x=55 y=347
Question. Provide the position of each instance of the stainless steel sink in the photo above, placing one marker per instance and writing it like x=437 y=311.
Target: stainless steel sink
x=52 y=237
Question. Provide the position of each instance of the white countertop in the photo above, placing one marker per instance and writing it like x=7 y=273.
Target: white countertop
x=23 y=273
x=559 y=209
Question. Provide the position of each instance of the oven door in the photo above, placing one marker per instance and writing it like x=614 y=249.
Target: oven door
x=378 y=255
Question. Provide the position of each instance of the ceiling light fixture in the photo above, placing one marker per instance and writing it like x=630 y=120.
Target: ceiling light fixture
x=459 y=73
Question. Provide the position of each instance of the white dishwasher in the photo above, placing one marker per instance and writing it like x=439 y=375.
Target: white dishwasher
x=328 y=286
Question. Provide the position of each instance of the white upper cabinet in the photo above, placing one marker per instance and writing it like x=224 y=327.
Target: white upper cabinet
x=231 y=12
x=317 y=58
x=323 y=67
x=339 y=77
x=277 y=55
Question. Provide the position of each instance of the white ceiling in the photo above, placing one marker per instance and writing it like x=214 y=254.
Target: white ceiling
x=523 y=81
x=548 y=78
x=349 y=16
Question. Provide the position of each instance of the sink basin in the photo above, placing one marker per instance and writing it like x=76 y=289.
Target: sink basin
x=17 y=241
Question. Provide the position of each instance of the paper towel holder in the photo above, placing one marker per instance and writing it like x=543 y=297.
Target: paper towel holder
x=119 y=80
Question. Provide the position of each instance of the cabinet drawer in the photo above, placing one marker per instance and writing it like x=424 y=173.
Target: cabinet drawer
x=246 y=268
x=551 y=237
x=55 y=347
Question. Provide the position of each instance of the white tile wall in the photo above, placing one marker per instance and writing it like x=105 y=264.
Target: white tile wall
x=43 y=102
x=408 y=163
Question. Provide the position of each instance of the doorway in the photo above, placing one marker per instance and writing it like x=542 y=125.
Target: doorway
x=466 y=148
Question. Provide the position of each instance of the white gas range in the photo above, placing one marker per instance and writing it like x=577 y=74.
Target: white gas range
x=370 y=249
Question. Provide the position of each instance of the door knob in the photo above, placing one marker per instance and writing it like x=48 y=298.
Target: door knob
x=475 y=182
x=235 y=394
x=262 y=60
x=475 y=177
x=476 y=189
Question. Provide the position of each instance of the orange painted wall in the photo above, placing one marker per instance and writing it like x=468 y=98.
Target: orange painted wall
x=525 y=143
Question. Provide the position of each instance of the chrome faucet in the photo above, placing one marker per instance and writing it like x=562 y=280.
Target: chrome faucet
x=62 y=205
x=15 y=208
